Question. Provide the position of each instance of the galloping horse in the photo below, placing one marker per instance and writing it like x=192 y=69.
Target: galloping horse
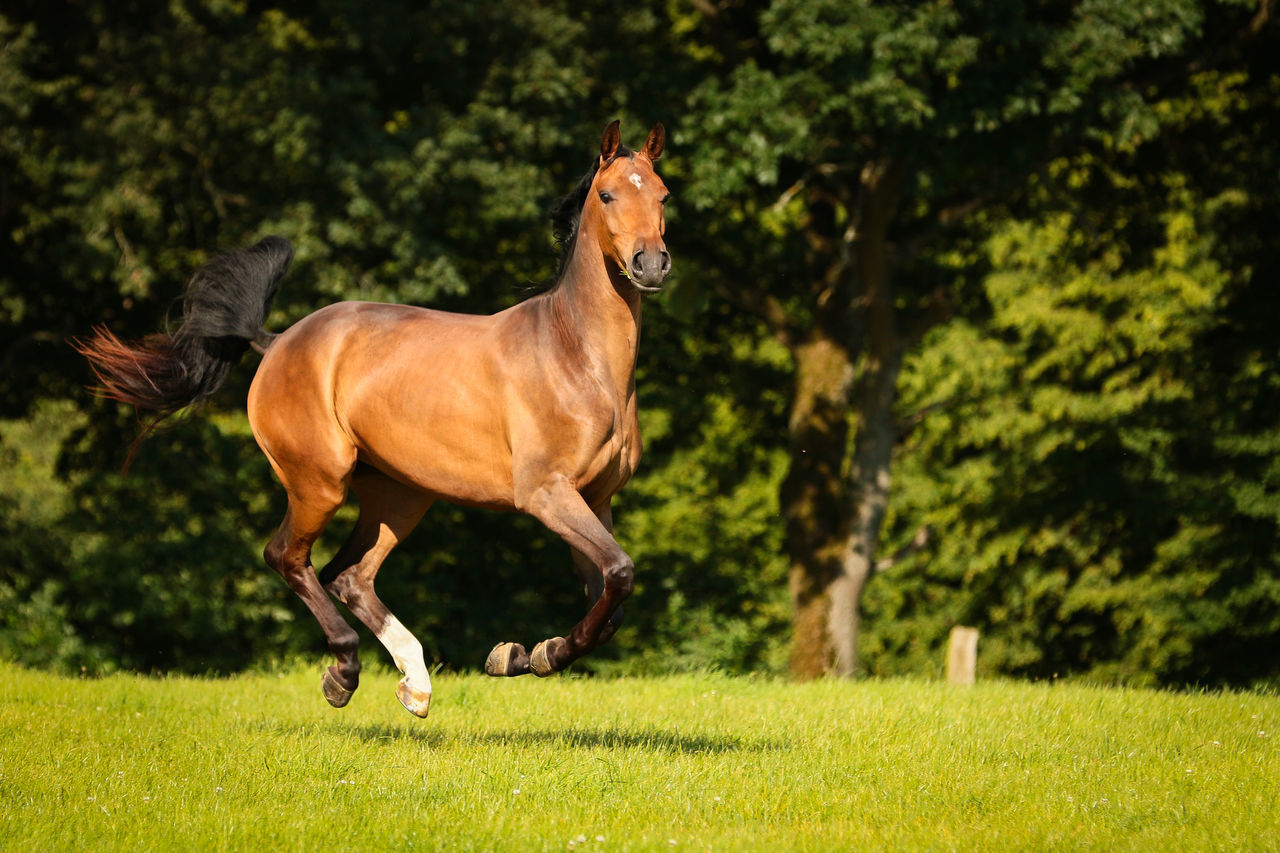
x=530 y=409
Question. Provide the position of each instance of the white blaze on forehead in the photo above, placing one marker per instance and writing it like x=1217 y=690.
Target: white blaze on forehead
x=636 y=179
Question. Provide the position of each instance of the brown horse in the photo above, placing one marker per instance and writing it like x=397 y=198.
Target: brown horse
x=530 y=409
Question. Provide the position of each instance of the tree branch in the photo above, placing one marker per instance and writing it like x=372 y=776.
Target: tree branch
x=923 y=537
x=766 y=307
x=708 y=9
x=1260 y=19
x=909 y=423
x=939 y=310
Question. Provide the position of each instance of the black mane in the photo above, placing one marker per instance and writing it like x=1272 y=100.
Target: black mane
x=567 y=211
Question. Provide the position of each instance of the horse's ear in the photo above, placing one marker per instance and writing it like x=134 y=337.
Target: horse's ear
x=610 y=141
x=656 y=142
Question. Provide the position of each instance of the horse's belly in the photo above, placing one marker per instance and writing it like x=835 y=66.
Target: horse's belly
x=438 y=428
x=455 y=460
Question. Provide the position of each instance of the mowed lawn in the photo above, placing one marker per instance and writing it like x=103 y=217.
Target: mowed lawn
x=679 y=763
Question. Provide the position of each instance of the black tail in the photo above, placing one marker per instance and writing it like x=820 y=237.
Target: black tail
x=224 y=309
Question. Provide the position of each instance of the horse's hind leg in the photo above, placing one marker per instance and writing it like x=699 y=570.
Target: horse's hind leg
x=388 y=512
x=289 y=553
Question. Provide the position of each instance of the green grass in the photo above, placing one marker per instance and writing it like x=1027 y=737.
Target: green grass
x=683 y=763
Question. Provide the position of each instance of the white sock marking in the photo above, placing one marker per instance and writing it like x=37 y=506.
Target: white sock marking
x=407 y=652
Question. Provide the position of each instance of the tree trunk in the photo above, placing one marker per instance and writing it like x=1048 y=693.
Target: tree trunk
x=870 y=479
x=814 y=493
x=873 y=443
x=835 y=508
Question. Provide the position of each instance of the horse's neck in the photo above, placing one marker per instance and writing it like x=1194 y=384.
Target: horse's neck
x=599 y=317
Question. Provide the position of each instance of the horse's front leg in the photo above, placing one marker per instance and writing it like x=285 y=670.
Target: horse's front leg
x=593 y=579
x=606 y=570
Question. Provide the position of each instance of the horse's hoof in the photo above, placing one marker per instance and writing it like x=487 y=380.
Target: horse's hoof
x=415 y=701
x=539 y=661
x=337 y=695
x=502 y=659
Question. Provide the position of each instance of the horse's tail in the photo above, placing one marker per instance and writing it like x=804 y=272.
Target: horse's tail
x=224 y=309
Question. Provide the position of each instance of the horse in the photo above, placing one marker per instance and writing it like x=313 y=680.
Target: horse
x=532 y=409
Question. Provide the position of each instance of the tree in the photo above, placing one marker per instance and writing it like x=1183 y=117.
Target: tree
x=1100 y=463
x=864 y=198
x=853 y=153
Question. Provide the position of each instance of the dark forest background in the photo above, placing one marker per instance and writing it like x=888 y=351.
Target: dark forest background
x=973 y=320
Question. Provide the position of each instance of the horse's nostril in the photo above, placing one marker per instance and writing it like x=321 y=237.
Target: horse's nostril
x=637 y=263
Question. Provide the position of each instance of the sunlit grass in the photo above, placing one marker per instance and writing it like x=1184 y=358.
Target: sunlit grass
x=691 y=762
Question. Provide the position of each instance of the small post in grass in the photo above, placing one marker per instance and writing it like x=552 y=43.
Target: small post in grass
x=962 y=655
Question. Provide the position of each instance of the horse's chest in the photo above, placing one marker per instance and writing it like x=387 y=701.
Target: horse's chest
x=614 y=463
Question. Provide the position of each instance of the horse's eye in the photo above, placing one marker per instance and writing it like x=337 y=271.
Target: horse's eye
x=605 y=197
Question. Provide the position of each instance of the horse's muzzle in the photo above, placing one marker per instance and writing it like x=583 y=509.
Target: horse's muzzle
x=649 y=268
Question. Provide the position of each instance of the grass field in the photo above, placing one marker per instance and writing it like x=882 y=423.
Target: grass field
x=680 y=763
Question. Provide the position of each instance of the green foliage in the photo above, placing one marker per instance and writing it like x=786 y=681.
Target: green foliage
x=986 y=115
x=1098 y=465
x=100 y=570
x=35 y=623
x=966 y=93
x=1091 y=433
x=144 y=138
x=701 y=518
x=34 y=628
x=1047 y=460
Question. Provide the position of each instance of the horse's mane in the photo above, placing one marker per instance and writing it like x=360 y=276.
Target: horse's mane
x=567 y=211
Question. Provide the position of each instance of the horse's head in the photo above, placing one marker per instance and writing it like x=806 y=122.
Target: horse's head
x=628 y=197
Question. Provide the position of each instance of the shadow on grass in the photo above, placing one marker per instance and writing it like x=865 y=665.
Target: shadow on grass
x=651 y=740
